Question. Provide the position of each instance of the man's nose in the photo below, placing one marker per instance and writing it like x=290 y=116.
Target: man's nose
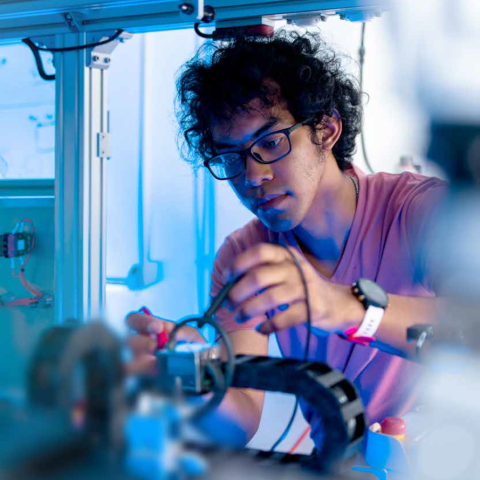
x=257 y=173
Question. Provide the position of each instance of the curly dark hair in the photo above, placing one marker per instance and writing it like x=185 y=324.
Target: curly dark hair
x=221 y=80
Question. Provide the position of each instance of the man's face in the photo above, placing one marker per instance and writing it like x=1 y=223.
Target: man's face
x=279 y=194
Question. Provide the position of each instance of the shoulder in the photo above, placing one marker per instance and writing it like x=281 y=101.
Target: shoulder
x=405 y=185
x=406 y=193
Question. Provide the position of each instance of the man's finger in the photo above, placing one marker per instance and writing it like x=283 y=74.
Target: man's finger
x=145 y=323
x=259 y=254
x=295 y=315
x=276 y=296
x=140 y=344
x=258 y=279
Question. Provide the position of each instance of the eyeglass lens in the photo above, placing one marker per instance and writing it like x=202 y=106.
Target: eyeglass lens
x=267 y=149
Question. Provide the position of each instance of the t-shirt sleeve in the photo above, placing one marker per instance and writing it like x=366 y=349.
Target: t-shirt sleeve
x=423 y=211
x=225 y=256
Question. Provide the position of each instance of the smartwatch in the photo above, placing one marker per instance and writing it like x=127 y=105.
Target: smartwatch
x=375 y=301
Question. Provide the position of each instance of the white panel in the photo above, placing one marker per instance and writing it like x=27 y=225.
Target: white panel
x=170 y=234
x=122 y=168
x=27 y=117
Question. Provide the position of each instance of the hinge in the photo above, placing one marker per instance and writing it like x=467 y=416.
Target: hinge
x=103 y=150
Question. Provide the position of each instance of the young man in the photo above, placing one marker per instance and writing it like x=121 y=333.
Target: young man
x=278 y=118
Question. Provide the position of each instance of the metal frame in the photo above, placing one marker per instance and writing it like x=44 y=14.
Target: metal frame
x=81 y=116
x=80 y=184
x=46 y=17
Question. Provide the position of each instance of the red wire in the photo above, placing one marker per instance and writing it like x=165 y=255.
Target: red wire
x=24 y=302
x=300 y=440
x=28 y=286
x=33 y=239
x=31 y=288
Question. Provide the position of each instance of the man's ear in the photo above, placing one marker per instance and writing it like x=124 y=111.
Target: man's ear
x=331 y=130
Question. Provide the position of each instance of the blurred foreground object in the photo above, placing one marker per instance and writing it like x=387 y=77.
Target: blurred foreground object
x=80 y=423
x=438 y=46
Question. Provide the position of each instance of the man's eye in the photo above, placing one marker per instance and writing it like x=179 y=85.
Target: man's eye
x=271 y=142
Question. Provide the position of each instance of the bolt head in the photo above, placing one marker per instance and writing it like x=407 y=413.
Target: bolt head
x=95 y=58
x=106 y=60
x=187 y=8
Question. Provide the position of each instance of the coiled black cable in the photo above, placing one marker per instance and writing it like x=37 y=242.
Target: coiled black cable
x=222 y=384
x=222 y=381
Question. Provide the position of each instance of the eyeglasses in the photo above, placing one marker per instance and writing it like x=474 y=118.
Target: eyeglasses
x=267 y=149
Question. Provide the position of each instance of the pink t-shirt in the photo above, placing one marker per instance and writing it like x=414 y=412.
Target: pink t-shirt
x=386 y=245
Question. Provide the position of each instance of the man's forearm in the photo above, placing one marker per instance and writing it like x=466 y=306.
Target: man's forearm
x=402 y=313
x=235 y=421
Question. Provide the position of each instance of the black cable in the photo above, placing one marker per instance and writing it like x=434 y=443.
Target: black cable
x=283 y=436
x=230 y=368
x=79 y=47
x=222 y=333
x=307 y=346
x=200 y=33
x=218 y=392
x=307 y=302
x=222 y=382
x=38 y=60
x=361 y=54
x=221 y=297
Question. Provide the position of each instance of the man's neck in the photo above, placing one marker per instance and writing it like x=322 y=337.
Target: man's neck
x=323 y=233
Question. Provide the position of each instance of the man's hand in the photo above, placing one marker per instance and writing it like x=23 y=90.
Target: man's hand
x=272 y=280
x=144 y=343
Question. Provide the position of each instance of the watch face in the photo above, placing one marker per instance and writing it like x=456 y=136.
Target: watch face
x=374 y=294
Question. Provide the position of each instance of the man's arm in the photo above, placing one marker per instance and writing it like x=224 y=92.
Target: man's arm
x=402 y=312
x=239 y=414
x=236 y=420
x=270 y=279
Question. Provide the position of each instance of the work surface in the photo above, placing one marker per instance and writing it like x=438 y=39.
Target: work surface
x=256 y=465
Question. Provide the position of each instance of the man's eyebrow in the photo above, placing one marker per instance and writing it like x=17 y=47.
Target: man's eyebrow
x=273 y=121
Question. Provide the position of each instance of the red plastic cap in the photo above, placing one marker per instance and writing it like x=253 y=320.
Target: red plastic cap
x=393 y=426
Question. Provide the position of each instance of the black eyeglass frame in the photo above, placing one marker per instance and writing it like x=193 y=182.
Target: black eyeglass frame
x=243 y=153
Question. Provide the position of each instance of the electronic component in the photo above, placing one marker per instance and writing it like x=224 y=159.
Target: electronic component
x=16 y=244
x=187 y=367
x=419 y=333
x=19 y=244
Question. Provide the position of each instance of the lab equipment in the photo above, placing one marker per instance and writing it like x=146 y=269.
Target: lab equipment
x=78 y=366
